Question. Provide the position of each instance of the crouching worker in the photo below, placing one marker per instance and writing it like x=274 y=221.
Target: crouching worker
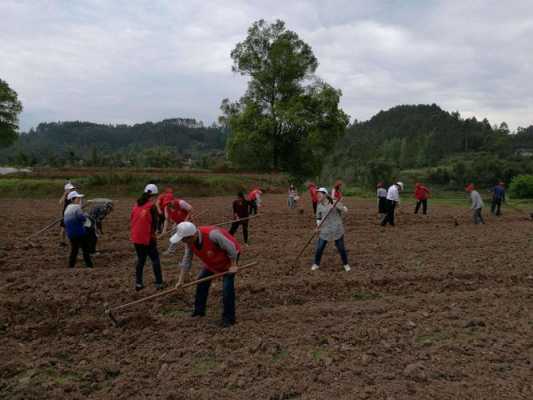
x=75 y=220
x=219 y=252
x=330 y=228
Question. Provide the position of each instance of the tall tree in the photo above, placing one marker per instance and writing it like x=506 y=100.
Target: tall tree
x=10 y=108
x=287 y=119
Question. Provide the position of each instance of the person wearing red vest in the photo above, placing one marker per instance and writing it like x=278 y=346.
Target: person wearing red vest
x=336 y=193
x=254 y=197
x=176 y=211
x=143 y=221
x=161 y=203
x=422 y=194
x=314 y=195
x=219 y=252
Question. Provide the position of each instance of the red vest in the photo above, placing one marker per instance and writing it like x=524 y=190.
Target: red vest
x=253 y=195
x=164 y=199
x=177 y=214
x=215 y=259
x=141 y=224
x=313 y=193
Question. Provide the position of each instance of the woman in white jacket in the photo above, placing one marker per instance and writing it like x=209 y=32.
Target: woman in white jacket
x=330 y=228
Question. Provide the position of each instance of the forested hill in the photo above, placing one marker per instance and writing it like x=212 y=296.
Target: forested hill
x=148 y=144
x=416 y=137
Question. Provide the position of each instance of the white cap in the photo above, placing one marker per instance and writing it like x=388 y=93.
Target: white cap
x=69 y=186
x=185 y=229
x=74 y=195
x=323 y=190
x=151 y=188
x=400 y=184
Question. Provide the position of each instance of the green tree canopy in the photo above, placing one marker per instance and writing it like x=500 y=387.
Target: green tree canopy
x=288 y=119
x=10 y=108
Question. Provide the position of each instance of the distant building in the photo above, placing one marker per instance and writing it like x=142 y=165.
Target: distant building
x=524 y=152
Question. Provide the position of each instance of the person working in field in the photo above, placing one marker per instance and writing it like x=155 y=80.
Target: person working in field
x=422 y=194
x=254 y=197
x=176 y=211
x=219 y=252
x=382 y=199
x=63 y=203
x=498 y=196
x=161 y=203
x=240 y=211
x=293 y=197
x=393 y=201
x=311 y=187
x=330 y=226
x=477 y=204
x=143 y=221
x=100 y=209
x=75 y=220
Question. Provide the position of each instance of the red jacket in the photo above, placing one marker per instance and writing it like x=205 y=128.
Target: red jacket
x=164 y=199
x=313 y=193
x=177 y=214
x=142 y=231
x=215 y=259
x=253 y=194
x=421 y=192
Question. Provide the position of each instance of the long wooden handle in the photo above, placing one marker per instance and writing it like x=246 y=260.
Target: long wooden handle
x=45 y=228
x=164 y=293
x=237 y=220
x=316 y=230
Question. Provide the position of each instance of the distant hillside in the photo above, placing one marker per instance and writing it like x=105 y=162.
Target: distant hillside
x=85 y=143
x=410 y=137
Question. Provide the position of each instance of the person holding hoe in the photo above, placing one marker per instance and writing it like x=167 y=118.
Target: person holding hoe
x=336 y=193
x=382 y=198
x=330 y=227
x=240 y=211
x=477 y=204
x=393 y=200
x=311 y=187
x=176 y=211
x=422 y=194
x=75 y=221
x=254 y=198
x=498 y=196
x=63 y=203
x=161 y=204
x=143 y=235
x=219 y=252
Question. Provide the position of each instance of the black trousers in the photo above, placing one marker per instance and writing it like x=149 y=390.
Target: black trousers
x=314 y=207
x=496 y=206
x=75 y=244
x=424 y=204
x=253 y=207
x=143 y=252
x=236 y=225
x=389 y=217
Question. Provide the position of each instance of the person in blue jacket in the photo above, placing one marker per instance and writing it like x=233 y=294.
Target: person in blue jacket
x=75 y=222
x=498 y=195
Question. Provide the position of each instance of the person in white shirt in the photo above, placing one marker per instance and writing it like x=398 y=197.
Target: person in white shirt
x=477 y=204
x=393 y=200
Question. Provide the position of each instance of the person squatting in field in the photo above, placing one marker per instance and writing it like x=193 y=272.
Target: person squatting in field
x=382 y=198
x=219 y=252
x=422 y=194
x=254 y=197
x=63 y=203
x=161 y=203
x=477 y=204
x=330 y=227
x=498 y=196
x=240 y=211
x=311 y=187
x=175 y=211
x=293 y=197
x=75 y=220
x=143 y=221
x=393 y=200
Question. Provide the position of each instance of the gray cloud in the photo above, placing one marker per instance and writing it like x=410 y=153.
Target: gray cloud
x=131 y=61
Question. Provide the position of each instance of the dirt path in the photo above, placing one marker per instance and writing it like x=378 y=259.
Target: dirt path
x=429 y=311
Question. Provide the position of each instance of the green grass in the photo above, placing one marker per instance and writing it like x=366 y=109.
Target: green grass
x=429 y=339
x=363 y=296
x=204 y=365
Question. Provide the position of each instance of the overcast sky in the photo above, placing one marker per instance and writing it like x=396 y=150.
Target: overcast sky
x=132 y=61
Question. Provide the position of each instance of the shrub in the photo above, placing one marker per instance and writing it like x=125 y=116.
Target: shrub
x=522 y=187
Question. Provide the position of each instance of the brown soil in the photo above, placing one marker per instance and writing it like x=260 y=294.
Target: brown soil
x=429 y=311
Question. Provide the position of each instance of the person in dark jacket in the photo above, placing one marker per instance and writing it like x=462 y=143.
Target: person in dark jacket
x=382 y=198
x=75 y=221
x=241 y=208
x=498 y=196
x=144 y=220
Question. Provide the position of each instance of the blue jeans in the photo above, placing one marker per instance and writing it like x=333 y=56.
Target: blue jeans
x=321 y=245
x=228 y=296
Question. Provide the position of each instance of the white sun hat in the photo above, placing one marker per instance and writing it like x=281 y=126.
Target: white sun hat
x=400 y=184
x=323 y=190
x=184 y=229
x=151 y=188
x=69 y=186
x=74 y=195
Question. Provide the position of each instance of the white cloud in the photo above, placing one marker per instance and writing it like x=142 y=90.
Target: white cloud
x=130 y=61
